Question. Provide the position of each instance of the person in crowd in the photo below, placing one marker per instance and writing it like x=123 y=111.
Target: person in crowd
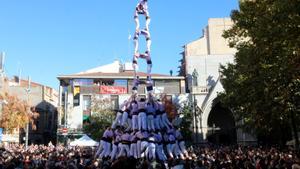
x=119 y=115
x=164 y=121
x=150 y=115
x=125 y=115
x=115 y=144
x=159 y=146
x=105 y=143
x=171 y=140
x=133 y=145
x=134 y=112
x=151 y=147
x=142 y=118
x=16 y=156
x=141 y=9
x=125 y=144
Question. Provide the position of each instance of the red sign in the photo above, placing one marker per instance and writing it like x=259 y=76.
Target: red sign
x=112 y=90
x=64 y=130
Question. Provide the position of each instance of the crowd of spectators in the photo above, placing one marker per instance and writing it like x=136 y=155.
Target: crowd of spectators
x=202 y=157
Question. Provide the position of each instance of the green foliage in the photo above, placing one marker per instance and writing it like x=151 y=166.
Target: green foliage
x=186 y=123
x=98 y=123
x=102 y=116
x=263 y=85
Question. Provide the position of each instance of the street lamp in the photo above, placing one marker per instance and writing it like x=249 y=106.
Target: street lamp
x=194 y=102
x=27 y=125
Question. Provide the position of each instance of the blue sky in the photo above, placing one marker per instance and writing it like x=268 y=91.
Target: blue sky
x=47 y=38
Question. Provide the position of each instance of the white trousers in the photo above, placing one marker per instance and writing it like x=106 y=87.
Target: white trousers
x=124 y=150
x=117 y=121
x=151 y=151
x=178 y=151
x=142 y=121
x=124 y=118
x=160 y=152
x=100 y=148
x=144 y=145
x=171 y=150
x=106 y=149
x=157 y=122
x=165 y=121
x=150 y=123
x=134 y=122
x=133 y=150
x=114 y=152
x=129 y=124
x=183 y=149
x=138 y=149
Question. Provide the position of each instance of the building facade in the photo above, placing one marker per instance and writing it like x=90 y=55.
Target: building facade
x=112 y=81
x=43 y=100
x=200 y=65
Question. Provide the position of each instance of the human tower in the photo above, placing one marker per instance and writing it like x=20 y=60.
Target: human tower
x=141 y=128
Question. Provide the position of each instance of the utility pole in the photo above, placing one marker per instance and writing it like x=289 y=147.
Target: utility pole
x=65 y=117
x=66 y=109
x=27 y=125
x=194 y=102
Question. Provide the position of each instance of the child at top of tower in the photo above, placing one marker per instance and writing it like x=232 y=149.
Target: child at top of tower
x=142 y=7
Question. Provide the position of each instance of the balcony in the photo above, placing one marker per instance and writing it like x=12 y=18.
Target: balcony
x=200 y=89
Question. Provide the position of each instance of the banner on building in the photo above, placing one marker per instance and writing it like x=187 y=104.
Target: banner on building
x=76 y=98
x=76 y=90
x=112 y=90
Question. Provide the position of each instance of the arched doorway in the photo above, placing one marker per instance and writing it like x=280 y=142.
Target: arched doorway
x=221 y=126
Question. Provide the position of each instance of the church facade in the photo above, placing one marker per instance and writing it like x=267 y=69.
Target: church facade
x=200 y=66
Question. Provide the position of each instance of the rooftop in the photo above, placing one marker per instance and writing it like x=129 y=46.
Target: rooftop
x=119 y=75
x=115 y=70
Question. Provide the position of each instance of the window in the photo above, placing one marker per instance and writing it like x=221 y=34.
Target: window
x=86 y=102
x=83 y=82
x=168 y=86
x=122 y=83
x=141 y=89
x=86 y=109
x=114 y=102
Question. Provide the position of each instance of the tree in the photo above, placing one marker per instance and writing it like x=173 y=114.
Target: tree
x=102 y=116
x=16 y=113
x=187 y=121
x=262 y=87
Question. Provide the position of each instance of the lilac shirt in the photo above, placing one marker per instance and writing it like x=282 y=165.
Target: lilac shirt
x=145 y=135
x=125 y=137
x=133 y=137
x=108 y=134
x=171 y=138
x=118 y=139
x=134 y=108
x=141 y=105
x=139 y=134
x=150 y=108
